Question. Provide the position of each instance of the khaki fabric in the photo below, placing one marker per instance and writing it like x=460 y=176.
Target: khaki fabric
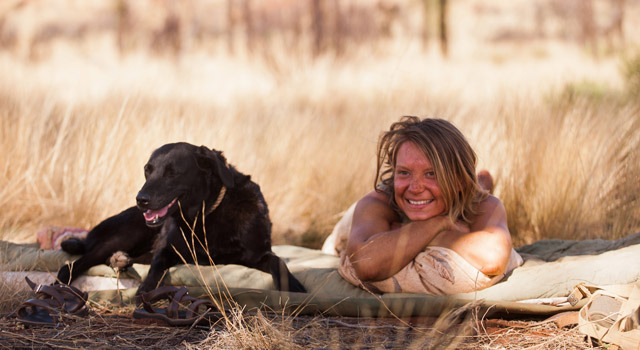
x=437 y=271
x=328 y=292
x=369 y=305
x=336 y=243
x=537 y=278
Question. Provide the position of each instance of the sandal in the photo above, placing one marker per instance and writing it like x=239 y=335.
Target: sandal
x=612 y=318
x=183 y=309
x=50 y=303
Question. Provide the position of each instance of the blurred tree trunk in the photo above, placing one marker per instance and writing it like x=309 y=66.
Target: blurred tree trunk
x=615 y=31
x=587 y=25
x=444 y=44
x=316 y=25
x=338 y=30
x=125 y=27
x=426 y=24
x=430 y=10
x=171 y=34
x=248 y=22
x=231 y=23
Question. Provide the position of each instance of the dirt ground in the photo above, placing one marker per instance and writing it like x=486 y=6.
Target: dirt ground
x=117 y=329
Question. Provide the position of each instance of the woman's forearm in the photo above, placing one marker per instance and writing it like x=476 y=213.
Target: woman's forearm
x=384 y=254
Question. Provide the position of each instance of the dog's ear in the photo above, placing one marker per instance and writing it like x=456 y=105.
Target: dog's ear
x=209 y=160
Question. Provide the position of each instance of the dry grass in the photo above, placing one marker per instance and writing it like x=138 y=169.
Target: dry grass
x=576 y=177
x=12 y=294
x=76 y=137
x=559 y=129
x=459 y=329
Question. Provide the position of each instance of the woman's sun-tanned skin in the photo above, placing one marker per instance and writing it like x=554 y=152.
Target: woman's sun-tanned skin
x=380 y=245
x=416 y=188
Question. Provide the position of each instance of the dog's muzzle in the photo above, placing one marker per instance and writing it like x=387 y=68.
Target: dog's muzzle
x=153 y=217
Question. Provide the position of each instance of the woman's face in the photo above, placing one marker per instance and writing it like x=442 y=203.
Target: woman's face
x=415 y=185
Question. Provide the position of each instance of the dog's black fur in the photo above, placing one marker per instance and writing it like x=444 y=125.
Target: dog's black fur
x=182 y=180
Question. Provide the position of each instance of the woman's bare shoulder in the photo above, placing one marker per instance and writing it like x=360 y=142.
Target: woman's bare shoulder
x=376 y=205
x=490 y=203
x=375 y=197
x=491 y=212
x=373 y=214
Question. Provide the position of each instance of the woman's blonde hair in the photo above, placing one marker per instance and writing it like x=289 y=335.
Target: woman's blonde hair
x=453 y=160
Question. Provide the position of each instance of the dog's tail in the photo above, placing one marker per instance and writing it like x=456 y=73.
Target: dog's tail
x=73 y=246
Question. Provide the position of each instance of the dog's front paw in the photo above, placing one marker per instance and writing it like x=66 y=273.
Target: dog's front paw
x=138 y=296
x=120 y=261
x=143 y=288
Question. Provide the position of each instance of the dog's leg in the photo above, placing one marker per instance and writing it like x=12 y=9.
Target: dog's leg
x=282 y=278
x=163 y=256
x=125 y=232
x=71 y=271
x=158 y=266
x=146 y=259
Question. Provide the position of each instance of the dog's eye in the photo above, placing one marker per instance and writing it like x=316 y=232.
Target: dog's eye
x=148 y=169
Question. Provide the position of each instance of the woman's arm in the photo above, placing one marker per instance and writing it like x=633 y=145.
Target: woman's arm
x=488 y=246
x=379 y=246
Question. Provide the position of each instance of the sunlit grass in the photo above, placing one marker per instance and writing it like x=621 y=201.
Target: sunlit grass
x=77 y=128
x=559 y=130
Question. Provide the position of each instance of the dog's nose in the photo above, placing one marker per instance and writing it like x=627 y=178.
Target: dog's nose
x=143 y=199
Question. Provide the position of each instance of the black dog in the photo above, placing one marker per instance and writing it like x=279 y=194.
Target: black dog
x=182 y=181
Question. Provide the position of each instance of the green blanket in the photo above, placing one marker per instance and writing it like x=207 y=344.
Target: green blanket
x=552 y=268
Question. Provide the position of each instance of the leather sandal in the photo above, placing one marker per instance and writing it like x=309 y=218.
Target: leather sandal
x=51 y=303
x=183 y=309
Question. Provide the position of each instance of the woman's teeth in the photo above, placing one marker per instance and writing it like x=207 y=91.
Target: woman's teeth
x=420 y=202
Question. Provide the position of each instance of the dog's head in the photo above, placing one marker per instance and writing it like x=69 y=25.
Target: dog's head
x=181 y=175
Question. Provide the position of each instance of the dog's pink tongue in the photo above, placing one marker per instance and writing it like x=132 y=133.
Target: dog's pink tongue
x=151 y=214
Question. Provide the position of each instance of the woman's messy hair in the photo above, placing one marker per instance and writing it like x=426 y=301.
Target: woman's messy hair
x=453 y=160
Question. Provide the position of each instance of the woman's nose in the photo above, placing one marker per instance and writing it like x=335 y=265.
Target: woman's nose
x=416 y=185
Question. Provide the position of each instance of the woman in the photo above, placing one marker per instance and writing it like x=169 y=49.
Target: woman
x=428 y=227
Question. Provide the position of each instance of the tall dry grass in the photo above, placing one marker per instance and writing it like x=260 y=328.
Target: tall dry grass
x=78 y=126
x=574 y=172
x=559 y=130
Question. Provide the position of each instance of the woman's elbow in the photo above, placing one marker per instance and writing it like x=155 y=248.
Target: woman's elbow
x=496 y=261
x=364 y=270
x=494 y=268
x=364 y=265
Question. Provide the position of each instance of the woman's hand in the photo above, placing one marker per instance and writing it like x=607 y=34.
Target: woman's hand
x=459 y=226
